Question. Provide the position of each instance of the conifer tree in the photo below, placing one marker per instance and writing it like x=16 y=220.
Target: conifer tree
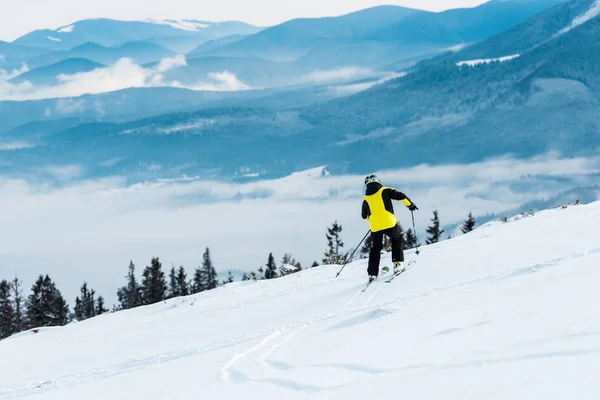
x=210 y=274
x=130 y=295
x=469 y=224
x=271 y=270
x=229 y=279
x=367 y=246
x=173 y=284
x=182 y=282
x=100 y=306
x=154 y=286
x=434 y=231
x=7 y=312
x=410 y=240
x=17 y=297
x=45 y=304
x=245 y=277
x=315 y=264
x=198 y=281
x=85 y=307
x=289 y=265
x=334 y=245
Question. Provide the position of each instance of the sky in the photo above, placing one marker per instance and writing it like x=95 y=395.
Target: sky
x=20 y=17
x=90 y=230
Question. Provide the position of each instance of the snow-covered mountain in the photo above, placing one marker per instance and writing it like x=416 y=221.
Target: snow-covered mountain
x=459 y=324
x=181 y=35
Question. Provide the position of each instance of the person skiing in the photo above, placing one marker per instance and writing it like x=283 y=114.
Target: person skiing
x=377 y=208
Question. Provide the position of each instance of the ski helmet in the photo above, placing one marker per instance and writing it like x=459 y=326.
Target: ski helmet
x=371 y=179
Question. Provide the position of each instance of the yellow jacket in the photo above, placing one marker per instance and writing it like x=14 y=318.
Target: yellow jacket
x=377 y=206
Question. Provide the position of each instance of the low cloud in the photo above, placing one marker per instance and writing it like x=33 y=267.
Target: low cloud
x=344 y=74
x=89 y=230
x=124 y=74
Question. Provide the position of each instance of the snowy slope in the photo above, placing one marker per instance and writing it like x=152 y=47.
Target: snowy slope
x=509 y=311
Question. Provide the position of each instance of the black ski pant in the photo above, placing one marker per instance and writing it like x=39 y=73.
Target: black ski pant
x=397 y=248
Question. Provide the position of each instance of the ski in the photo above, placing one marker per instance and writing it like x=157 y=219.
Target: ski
x=410 y=264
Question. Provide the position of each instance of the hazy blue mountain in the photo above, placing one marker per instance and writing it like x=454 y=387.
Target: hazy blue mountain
x=107 y=32
x=255 y=72
x=214 y=44
x=294 y=39
x=48 y=75
x=13 y=55
x=141 y=52
x=381 y=35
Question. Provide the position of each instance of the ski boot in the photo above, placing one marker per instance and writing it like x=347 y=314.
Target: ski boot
x=372 y=278
x=398 y=267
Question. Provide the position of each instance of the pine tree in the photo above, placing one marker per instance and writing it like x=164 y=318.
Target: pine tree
x=7 y=312
x=245 y=277
x=410 y=240
x=315 y=264
x=271 y=270
x=334 y=245
x=173 y=284
x=100 y=306
x=434 y=231
x=367 y=246
x=210 y=274
x=45 y=305
x=205 y=277
x=181 y=279
x=229 y=279
x=154 y=286
x=130 y=296
x=17 y=295
x=469 y=224
x=86 y=306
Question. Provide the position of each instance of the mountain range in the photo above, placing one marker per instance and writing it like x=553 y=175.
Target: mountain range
x=528 y=90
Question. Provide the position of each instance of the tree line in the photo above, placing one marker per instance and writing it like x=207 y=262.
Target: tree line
x=45 y=306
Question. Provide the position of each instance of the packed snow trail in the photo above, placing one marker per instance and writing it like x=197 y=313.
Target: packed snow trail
x=508 y=311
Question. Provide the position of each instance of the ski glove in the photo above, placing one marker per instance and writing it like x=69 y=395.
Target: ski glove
x=412 y=207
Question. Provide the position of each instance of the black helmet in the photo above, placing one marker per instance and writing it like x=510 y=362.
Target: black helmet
x=371 y=179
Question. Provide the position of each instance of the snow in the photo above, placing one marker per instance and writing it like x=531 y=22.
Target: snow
x=508 y=311
x=591 y=13
x=66 y=29
x=472 y=63
x=185 y=25
x=53 y=39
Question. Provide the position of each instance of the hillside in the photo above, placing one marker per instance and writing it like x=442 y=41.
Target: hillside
x=460 y=324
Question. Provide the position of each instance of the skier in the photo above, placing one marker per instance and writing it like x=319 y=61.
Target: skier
x=377 y=208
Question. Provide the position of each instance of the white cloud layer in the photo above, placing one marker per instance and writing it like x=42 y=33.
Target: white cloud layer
x=124 y=74
x=88 y=231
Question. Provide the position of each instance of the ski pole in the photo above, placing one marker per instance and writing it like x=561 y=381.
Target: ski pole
x=348 y=260
x=415 y=231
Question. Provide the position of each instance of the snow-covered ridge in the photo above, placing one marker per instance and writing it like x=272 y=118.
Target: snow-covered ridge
x=54 y=39
x=66 y=29
x=591 y=13
x=518 y=324
x=184 y=25
x=472 y=63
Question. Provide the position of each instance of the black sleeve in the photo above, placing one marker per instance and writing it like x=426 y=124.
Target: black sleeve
x=396 y=195
x=366 y=212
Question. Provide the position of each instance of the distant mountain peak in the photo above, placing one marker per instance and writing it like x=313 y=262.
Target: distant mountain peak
x=182 y=24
